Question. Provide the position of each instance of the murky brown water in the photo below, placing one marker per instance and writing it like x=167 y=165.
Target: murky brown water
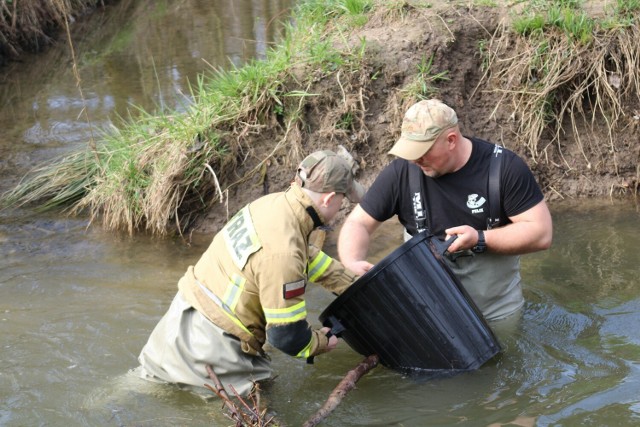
x=77 y=304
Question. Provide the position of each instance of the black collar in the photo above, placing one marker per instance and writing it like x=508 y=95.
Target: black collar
x=317 y=222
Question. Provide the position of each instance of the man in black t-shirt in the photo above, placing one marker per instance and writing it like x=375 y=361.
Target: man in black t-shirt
x=441 y=182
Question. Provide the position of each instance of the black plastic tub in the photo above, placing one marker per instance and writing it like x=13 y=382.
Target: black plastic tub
x=412 y=311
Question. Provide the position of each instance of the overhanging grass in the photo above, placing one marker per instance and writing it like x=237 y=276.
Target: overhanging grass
x=24 y=24
x=567 y=66
x=72 y=175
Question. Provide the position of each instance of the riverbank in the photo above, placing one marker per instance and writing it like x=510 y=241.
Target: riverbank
x=30 y=25
x=560 y=88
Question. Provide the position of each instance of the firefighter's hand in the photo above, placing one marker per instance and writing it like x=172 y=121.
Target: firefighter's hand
x=333 y=340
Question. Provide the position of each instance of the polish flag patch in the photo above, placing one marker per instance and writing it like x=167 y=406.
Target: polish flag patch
x=293 y=289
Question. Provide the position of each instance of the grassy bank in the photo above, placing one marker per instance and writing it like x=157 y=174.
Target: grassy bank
x=551 y=68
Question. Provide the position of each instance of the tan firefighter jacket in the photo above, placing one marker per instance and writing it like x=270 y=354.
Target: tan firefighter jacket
x=255 y=272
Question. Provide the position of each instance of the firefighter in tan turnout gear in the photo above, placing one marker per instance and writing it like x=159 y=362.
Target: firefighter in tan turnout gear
x=248 y=288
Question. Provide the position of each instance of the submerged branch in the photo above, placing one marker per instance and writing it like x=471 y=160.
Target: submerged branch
x=252 y=415
x=338 y=393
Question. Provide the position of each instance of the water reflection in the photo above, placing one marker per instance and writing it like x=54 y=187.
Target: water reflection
x=74 y=305
x=618 y=385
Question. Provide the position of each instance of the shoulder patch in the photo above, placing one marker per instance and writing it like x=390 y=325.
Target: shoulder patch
x=293 y=289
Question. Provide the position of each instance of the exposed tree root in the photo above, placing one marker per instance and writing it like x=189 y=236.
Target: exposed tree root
x=554 y=79
x=27 y=25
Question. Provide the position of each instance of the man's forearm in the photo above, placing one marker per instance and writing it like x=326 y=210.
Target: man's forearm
x=353 y=243
x=518 y=238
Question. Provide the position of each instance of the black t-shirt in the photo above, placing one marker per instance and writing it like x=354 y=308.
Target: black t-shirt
x=458 y=198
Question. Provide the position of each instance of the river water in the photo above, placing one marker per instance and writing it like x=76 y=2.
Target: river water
x=77 y=304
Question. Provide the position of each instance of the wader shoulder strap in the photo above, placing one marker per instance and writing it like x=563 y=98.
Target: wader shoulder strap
x=415 y=186
x=495 y=202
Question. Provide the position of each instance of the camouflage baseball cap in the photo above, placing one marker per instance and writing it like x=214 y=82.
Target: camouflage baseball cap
x=422 y=125
x=325 y=171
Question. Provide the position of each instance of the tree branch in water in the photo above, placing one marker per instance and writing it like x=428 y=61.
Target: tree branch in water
x=346 y=385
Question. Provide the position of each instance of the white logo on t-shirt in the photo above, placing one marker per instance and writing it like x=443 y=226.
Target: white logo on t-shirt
x=475 y=204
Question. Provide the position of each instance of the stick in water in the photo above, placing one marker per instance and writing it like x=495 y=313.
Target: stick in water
x=346 y=385
x=222 y=394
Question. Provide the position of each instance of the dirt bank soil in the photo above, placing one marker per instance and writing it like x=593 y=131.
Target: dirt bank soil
x=596 y=164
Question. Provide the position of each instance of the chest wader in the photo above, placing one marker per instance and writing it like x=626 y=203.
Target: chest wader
x=491 y=280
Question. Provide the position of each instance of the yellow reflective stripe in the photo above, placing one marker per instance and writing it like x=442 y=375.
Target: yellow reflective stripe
x=287 y=314
x=318 y=266
x=306 y=352
x=225 y=309
x=237 y=321
x=233 y=292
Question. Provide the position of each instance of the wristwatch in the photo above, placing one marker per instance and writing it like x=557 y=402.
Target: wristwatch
x=481 y=246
